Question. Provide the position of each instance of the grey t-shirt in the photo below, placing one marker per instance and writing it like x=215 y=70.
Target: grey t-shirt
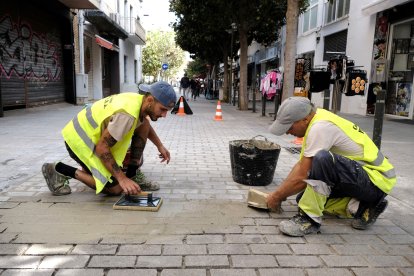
x=325 y=135
x=119 y=124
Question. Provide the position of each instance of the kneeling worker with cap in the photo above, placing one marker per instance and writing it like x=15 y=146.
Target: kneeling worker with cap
x=340 y=170
x=99 y=136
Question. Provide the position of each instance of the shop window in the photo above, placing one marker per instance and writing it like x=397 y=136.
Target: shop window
x=335 y=43
x=309 y=18
x=335 y=10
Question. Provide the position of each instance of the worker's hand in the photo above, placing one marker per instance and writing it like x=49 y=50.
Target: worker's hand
x=274 y=203
x=164 y=154
x=129 y=187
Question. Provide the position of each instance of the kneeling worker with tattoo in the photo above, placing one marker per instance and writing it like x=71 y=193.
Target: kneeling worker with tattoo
x=100 y=135
x=340 y=170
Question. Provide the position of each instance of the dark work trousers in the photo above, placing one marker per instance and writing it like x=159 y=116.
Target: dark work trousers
x=346 y=178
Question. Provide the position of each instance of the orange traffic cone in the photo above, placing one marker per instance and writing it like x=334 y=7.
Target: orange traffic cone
x=218 y=116
x=181 y=108
x=298 y=141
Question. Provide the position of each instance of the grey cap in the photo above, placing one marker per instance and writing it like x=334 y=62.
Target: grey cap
x=292 y=109
x=162 y=91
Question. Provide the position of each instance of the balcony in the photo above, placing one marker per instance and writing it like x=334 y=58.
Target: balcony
x=136 y=33
x=106 y=24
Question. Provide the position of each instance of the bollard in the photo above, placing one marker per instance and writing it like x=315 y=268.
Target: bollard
x=326 y=98
x=276 y=103
x=263 y=105
x=379 y=116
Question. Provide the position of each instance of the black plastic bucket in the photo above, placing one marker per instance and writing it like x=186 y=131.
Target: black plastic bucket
x=253 y=162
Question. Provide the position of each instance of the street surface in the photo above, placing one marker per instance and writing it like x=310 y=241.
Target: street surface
x=204 y=226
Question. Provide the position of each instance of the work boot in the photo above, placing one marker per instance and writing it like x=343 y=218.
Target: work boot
x=369 y=216
x=298 y=226
x=145 y=184
x=57 y=183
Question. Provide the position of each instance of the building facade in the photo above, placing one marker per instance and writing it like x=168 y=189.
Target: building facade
x=377 y=36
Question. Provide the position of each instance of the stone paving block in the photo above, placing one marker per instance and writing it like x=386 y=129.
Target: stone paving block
x=55 y=238
x=166 y=239
x=204 y=239
x=329 y=272
x=64 y=261
x=283 y=239
x=112 y=261
x=325 y=239
x=19 y=261
x=247 y=238
x=311 y=249
x=48 y=249
x=159 y=261
x=362 y=239
x=8 y=204
x=94 y=249
x=271 y=221
x=28 y=272
x=405 y=271
x=232 y=272
x=250 y=261
x=13 y=249
x=281 y=272
x=7 y=237
x=377 y=272
x=397 y=239
x=388 y=261
x=132 y=272
x=184 y=272
x=299 y=261
x=354 y=249
x=232 y=229
x=207 y=261
x=260 y=230
x=80 y=272
x=184 y=249
x=218 y=249
x=394 y=249
x=277 y=249
x=344 y=261
x=139 y=249
x=124 y=239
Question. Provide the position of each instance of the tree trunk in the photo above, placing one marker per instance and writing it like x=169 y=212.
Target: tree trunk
x=243 y=68
x=225 y=78
x=292 y=14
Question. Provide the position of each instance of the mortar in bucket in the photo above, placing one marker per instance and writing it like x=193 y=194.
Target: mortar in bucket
x=253 y=161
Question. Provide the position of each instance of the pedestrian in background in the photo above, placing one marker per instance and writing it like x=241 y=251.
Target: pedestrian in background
x=340 y=170
x=185 y=86
x=99 y=137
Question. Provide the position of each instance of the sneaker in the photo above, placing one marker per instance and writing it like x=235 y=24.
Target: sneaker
x=369 y=216
x=58 y=183
x=145 y=184
x=298 y=226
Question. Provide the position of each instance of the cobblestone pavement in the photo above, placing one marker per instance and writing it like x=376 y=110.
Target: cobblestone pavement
x=204 y=226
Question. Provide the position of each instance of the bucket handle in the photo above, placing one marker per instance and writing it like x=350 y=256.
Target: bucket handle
x=254 y=138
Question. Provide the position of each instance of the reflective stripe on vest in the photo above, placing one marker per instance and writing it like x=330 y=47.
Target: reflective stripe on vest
x=378 y=168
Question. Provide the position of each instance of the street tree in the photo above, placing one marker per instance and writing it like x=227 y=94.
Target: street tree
x=161 y=48
x=202 y=29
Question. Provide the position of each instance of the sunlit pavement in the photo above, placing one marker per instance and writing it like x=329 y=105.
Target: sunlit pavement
x=204 y=226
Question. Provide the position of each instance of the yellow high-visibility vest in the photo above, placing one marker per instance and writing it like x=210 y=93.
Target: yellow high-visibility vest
x=377 y=166
x=83 y=132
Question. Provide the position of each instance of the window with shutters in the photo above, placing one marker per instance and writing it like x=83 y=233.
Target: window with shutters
x=335 y=10
x=335 y=44
x=310 y=16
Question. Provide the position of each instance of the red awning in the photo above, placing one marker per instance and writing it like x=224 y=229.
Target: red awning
x=106 y=44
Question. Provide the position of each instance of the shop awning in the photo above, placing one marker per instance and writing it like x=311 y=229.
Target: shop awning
x=81 y=4
x=106 y=44
x=381 y=5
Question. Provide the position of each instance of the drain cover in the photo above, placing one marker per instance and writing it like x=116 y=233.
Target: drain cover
x=293 y=150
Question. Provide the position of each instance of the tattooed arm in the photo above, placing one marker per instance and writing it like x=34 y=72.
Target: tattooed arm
x=103 y=151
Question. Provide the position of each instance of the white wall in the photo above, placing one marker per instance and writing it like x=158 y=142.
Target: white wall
x=361 y=30
x=97 y=71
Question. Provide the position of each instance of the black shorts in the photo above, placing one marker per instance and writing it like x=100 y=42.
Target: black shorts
x=86 y=169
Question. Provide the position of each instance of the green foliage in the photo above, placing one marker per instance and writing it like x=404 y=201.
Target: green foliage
x=161 y=48
x=197 y=67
